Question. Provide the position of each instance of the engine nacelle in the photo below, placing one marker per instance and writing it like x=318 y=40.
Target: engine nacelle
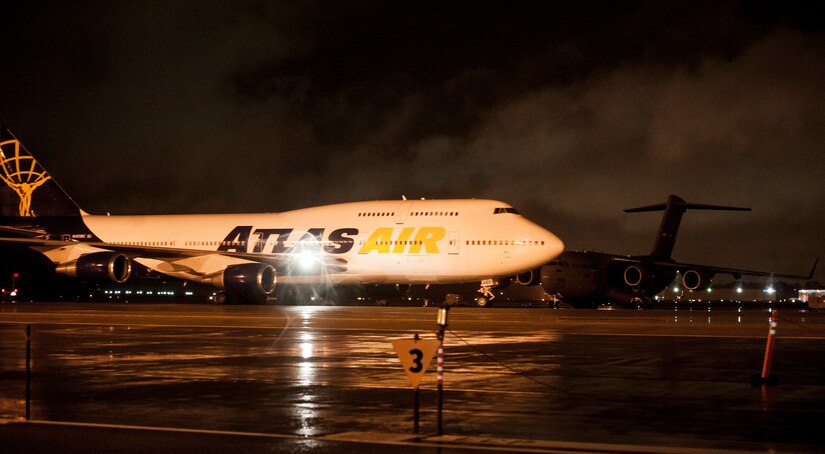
x=249 y=279
x=634 y=275
x=99 y=267
x=692 y=279
x=529 y=278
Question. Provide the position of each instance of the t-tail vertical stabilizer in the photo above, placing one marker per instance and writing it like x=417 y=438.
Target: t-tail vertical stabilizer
x=674 y=208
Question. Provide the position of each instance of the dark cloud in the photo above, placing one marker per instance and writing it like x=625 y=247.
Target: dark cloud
x=570 y=111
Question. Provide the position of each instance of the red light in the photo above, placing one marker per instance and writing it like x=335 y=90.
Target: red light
x=15 y=275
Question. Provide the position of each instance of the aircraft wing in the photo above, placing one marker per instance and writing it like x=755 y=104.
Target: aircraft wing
x=21 y=233
x=283 y=262
x=735 y=272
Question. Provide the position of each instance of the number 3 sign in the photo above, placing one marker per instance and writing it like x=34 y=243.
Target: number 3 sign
x=415 y=356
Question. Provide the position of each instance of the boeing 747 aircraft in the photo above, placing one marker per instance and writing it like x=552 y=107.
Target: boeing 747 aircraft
x=247 y=255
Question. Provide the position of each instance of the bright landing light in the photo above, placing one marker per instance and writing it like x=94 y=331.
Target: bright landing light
x=307 y=260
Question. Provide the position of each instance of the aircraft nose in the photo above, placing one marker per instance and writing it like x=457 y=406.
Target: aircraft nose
x=553 y=245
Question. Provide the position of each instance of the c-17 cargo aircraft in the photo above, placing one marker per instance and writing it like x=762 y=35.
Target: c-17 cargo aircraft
x=246 y=255
x=588 y=278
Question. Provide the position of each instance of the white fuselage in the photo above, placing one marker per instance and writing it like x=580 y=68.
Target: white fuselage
x=401 y=241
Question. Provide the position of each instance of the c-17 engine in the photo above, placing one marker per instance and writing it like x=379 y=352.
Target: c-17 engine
x=692 y=279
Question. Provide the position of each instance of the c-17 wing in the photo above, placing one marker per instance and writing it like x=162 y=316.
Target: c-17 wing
x=735 y=272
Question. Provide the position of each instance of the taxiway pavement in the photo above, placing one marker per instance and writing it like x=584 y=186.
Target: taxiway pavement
x=515 y=379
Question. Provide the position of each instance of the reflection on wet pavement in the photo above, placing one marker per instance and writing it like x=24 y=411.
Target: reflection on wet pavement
x=657 y=377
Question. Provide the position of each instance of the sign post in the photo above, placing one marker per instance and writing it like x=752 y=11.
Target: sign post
x=415 y=356
x=442 y=326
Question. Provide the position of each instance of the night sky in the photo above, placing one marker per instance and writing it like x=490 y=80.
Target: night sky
x=570 y=111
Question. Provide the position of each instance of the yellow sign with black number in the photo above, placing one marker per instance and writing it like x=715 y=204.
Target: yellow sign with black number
x=415 y=356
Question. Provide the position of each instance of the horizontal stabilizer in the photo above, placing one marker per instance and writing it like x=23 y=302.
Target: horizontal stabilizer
x=681 y=204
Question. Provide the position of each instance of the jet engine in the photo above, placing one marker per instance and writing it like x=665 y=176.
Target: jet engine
x=692 y=279
x=529 y=278
x=252 y=279
x=634 y=275
x=99 y=267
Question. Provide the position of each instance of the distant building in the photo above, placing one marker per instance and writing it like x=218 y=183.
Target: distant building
x=814 y=298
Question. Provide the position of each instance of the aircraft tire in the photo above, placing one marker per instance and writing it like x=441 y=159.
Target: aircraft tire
x=483 y=301
x=220 y=298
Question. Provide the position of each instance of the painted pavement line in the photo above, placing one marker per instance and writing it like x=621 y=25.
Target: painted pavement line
x=516 y=444
x=394 y=330
x=443 y=441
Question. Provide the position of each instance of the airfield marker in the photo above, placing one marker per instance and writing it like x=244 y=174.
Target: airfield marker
x=28 y=370
x=766 y=378
x=766 y=364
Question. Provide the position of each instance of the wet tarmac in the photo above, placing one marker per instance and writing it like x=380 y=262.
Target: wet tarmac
x=534 y=378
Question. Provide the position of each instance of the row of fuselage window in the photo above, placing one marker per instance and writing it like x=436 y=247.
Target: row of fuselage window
x=243 y=243
x=504 y=243
x=185 y=243
x=467 y=243
x=414 y=213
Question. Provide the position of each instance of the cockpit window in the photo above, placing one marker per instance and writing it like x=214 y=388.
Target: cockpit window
x=506 y=210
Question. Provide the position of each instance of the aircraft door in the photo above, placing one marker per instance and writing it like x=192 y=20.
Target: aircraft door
x=402 y=212
x=454 y=243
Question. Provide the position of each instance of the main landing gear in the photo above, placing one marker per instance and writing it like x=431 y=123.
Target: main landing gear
x=230 y=298
x=486 y=298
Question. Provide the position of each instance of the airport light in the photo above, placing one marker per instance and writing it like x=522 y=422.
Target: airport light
x=442 y=316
